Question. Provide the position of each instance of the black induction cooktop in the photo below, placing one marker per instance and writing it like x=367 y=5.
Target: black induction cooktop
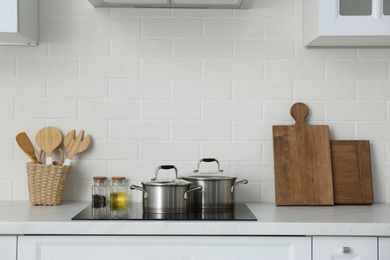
x=134 y=211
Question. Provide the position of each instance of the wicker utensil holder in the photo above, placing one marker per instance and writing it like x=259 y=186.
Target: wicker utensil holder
x=46 y=182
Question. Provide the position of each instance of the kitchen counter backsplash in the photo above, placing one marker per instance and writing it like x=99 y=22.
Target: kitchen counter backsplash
x=162 y=86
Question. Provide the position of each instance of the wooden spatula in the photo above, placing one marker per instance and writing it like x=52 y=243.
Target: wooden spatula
x=26 y=145
x=75 y=146
x=48 y=139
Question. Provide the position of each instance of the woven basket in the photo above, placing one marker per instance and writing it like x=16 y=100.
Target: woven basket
x=46 y=182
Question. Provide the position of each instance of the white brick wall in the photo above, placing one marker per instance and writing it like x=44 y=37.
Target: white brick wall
x=158 y=86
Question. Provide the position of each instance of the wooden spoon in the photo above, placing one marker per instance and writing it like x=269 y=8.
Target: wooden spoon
x=75 y=146
x=26 y=145
x=48 y=139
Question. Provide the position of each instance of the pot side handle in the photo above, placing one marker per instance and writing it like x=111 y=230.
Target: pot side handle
x=244 y=181
x=191 y=190
x=135 y=187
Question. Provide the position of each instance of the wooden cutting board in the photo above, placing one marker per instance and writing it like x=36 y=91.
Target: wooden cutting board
x=351 y=166
x=302 y=161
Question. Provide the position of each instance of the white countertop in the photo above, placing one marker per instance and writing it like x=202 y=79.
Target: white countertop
x=18 y=218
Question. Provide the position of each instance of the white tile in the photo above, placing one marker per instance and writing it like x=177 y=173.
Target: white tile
x=140 y=89
x=16 y=87
x=10 y=127
x=284 y=29
x=169 y=151
x=202 y=89
x=7 y=67
x=112 y=150
x=16 y=166
x=254 y=171
x=7 y=149
x=141 y=48
x=262 y=90
x=264 y=49
x=58 y=26
x=46 y=108
x=234 y=28
x=378 y=53
x=373 y=90
x=135 y=171
x=109 y=27
x=7 y=107
x=97 y=129
x=77 y=88
x=172 y=28
x=20 y=190
x=325 y=90
x=357 y=70
x=6 y=190
x=232 y=151
x=79 y=47
x=268 y=192
x=201 y=131
x=294 y=70
x=268 y=9
x=268 y=152
x=139 y=130
x=171 y=69
x=47 y=67
x=202 y=49
x=141 y=12
x=233 y=69
x=171 y=110
x=84 y=191
x=74 y=8
x=25 y=51
x=250 y=192
x=232 y=110
x=373 y=131
x=108 y=109
x=378 y=152
x=70 y=191
x=341 y=130
x=201 y=13
x=109 y=68
x=357 y=111
x=252 y=131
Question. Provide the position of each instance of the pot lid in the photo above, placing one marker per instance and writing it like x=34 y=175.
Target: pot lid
x=166 y=182
x=217 y=175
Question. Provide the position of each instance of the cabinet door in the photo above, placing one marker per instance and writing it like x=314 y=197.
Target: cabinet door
x=345 y=248
x=384 y=248
x=8 y=247
x=163 y=247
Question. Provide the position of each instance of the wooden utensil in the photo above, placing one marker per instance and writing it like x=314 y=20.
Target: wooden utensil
x=26 y=145
x=351 y=167
x=75 y=146
x=302 y=161
x=48 y=139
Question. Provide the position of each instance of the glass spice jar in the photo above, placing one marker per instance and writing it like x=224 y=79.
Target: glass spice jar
x=118 y=194
x=99 y=196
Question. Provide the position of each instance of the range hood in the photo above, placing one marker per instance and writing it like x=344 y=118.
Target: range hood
x=18 y=22
x=214 y=4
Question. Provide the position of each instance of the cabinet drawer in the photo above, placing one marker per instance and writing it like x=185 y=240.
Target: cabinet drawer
x=345 y=248
x=384 y=248
x=163 y=247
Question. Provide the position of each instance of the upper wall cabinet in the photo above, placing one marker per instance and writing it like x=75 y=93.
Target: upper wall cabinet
x=19 y=22
x=216 y=4
x=347 y=22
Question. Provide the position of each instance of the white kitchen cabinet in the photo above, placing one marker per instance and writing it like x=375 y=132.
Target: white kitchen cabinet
x=384 y=248
x=345 y=248
x=8 y=247
x=163 y=247
x=346 y=23
x=18 y=22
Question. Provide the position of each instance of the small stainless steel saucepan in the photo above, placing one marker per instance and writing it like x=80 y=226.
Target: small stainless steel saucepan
x=164 y=195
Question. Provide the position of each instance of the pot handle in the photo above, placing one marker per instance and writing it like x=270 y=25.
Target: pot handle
x=208 y=160
x=244 y=181
x=164 y=167
x=135 y=187
x=192 y=189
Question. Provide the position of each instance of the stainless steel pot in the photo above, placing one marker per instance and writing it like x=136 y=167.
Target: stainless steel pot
x=217 y=188
x=165 y=196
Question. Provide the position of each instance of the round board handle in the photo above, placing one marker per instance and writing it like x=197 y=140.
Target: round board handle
x=299 y=112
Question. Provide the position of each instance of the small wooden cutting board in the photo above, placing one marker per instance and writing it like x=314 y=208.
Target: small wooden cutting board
x=351 y=166
x=302 y=162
